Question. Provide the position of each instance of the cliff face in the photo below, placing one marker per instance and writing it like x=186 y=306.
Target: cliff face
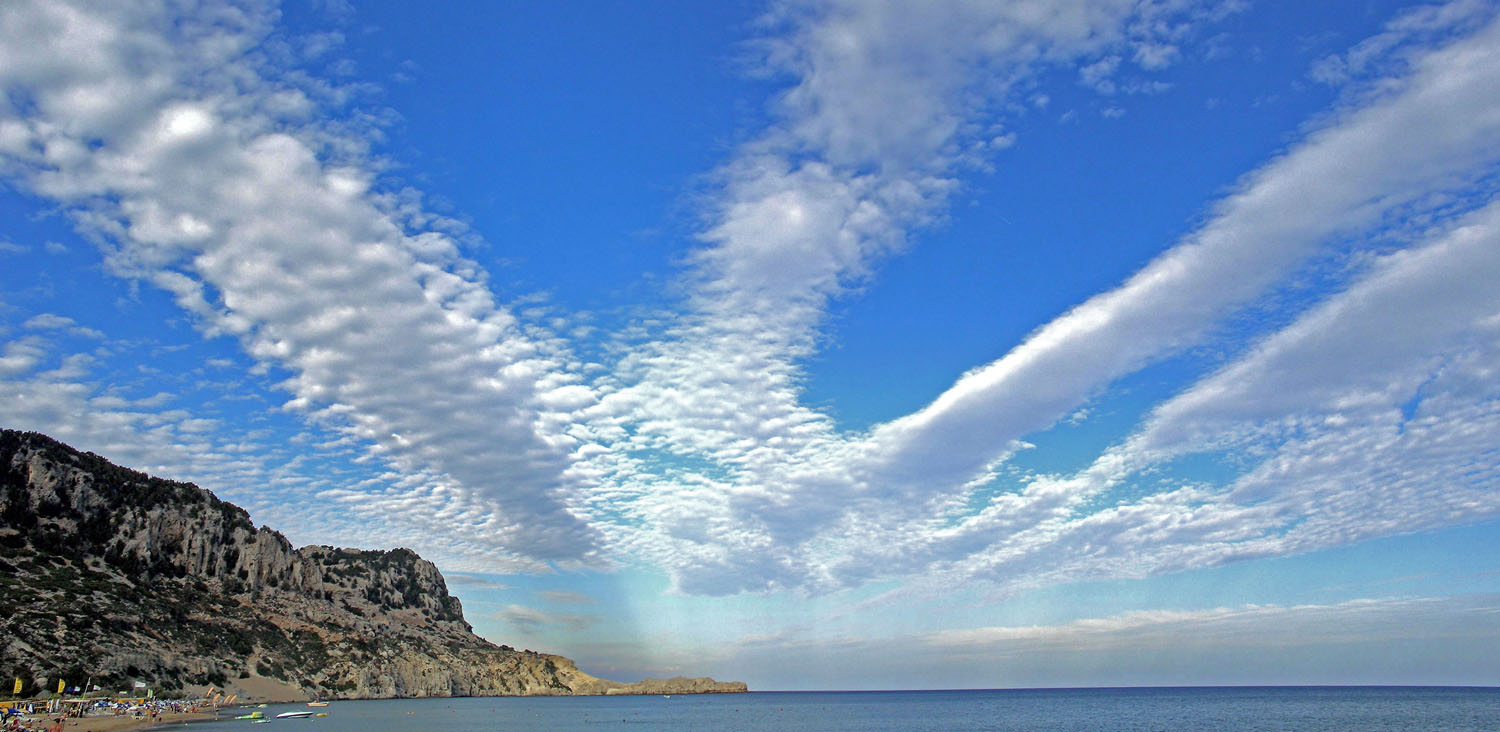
x=109 y=573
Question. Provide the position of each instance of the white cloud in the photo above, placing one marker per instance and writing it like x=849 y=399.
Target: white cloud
x=49 y=321
x=390 y=334
x=1366 y=641
x=869 y=137
x=21 y=356
x=528 y=621
x=1097 y=74
x=1155 y=55
x=1423 y=24
x=1436 y=129
x=473 y=582
x=1372 y=414
x=61 y=396
x=1375 y=412
x=564 y=597
x=1252 y=626
x=796 y=504
x=203 y=166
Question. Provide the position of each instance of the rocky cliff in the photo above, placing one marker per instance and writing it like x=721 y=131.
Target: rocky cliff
x=111 y=574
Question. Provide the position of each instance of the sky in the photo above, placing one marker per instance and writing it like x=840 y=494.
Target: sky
x=814 y=344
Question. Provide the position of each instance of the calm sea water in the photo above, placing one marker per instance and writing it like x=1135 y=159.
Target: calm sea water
x=1343 y=709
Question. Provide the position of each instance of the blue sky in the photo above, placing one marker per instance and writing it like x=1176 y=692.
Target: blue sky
x=813 y=344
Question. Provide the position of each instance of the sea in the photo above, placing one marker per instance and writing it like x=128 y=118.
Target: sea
x=1219 y=709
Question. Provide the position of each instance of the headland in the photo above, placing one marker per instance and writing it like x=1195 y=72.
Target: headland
x=115 y=579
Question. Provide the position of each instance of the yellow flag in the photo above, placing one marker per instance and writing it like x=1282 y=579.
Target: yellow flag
x=17 y=690
x=60 y=685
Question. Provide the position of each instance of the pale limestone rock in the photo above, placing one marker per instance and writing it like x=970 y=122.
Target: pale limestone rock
x=129 y=576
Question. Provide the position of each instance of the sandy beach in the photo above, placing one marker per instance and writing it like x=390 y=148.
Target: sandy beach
x=248 y=690
x=125 y=722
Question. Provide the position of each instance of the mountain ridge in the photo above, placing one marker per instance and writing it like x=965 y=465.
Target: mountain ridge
x=112 y=574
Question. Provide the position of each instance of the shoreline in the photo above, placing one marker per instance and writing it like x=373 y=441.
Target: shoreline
x=128 y=723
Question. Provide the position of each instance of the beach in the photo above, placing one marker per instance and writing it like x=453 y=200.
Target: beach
x=106 y=720
x=127 y=723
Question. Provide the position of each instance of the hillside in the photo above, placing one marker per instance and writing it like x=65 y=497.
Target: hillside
x=111 y=574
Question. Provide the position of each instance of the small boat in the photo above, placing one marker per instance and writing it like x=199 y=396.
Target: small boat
x=260 y=721
x=294 y=715
x=252 y=715
x=317 y=704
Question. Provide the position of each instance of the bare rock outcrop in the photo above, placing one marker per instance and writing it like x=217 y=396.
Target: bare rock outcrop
x=111 y=574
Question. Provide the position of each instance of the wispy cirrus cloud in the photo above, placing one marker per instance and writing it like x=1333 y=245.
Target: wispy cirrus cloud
x=469 y=581
x=565 y=597
x=528 y=620
x=1252 y=626
x=1360 y=641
